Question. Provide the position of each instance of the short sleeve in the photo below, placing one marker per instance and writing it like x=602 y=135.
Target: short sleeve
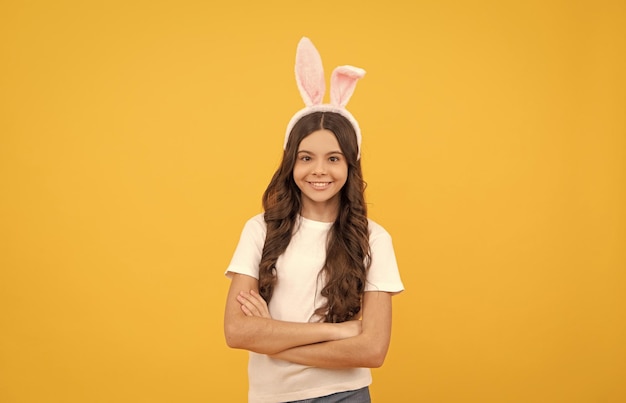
x=383 y=273
x=247 y=255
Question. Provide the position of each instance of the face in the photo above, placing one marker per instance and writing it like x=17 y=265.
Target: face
x=320 y=172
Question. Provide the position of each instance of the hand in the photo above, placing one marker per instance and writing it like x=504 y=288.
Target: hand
x=349 y=328
x=252 y=304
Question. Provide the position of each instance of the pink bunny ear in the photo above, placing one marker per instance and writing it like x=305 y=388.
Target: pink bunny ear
x=309 y=73
x=342 y=84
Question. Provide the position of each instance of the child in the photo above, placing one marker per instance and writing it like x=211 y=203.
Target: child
x=312 y=265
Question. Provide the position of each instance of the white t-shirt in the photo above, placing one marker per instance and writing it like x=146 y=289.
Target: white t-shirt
x=295 y=298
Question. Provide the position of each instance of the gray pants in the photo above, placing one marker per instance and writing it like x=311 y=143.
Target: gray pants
x=352 y=396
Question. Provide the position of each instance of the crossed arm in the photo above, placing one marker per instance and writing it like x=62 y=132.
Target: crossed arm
x=358 y=343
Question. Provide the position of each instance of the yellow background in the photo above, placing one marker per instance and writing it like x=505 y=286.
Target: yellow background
x=137 y=138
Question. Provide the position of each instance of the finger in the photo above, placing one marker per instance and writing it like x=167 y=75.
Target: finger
x=246 y=311
x=255 y=302
x=245 y=301
x=258 y=297
x=260 y=303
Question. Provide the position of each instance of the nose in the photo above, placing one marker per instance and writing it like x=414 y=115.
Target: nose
x=319 y=168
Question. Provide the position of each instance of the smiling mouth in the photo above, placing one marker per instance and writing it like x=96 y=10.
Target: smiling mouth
x=320 y=185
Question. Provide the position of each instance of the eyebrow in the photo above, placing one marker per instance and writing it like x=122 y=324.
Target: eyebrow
x=311 y=152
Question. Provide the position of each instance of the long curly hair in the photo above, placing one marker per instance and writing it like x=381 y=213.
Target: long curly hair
x=348 y=254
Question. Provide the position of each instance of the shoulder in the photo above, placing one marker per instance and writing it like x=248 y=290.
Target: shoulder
x=257 y=220
x=256 y=224
x=376 y=230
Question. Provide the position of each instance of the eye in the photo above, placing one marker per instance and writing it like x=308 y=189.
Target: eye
x=334 y=158
x=305 y=158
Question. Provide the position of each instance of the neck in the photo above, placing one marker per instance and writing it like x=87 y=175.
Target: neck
x=323 y=212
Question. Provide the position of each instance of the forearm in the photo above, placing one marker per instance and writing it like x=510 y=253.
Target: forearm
x=248 y=324
x=354 y=352
x=367 y=349
x=269 y=336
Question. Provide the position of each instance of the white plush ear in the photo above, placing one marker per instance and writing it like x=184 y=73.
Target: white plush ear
x=342 y=84
x=309 y=73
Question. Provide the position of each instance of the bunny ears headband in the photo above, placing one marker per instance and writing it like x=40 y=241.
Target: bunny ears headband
x=311 y=83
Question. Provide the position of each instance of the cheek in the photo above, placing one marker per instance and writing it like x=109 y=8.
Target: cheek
x=342 y=174
x=298 y=171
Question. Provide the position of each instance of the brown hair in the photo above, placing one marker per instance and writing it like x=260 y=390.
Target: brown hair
x=347 y=250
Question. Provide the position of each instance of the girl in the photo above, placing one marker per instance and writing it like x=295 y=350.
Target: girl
x=312 y=277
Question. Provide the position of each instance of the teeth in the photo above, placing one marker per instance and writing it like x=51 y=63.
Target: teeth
x=319 y=184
